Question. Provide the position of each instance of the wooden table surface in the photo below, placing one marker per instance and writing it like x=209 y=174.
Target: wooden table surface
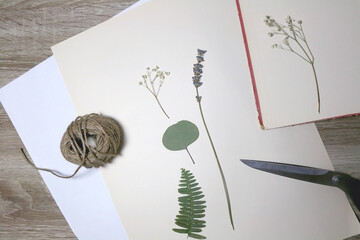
x=27 y=31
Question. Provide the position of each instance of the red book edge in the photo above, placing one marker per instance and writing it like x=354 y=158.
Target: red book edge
x=257 y=102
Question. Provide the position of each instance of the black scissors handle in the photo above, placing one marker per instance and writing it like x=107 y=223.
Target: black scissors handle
x=350 y=185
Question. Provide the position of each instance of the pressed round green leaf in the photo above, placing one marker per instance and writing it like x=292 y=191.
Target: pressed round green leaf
x=180 y=135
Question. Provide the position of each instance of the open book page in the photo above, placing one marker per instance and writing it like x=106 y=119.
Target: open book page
x=304 y=58
x=168 y=120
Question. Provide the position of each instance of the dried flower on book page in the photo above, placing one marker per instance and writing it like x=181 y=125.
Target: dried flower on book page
x=294 y=41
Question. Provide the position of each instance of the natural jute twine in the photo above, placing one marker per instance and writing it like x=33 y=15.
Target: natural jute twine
x=90 y=141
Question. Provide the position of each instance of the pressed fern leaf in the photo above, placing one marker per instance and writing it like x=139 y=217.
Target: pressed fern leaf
x=192 y=207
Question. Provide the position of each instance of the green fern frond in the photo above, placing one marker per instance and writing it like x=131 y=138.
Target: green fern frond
x=192 y=208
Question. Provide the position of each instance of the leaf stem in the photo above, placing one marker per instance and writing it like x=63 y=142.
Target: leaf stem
x=187 y=150
x=217 y=160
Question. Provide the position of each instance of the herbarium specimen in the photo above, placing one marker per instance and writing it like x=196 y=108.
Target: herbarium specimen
x=153 y=81
x=180 y=135
x=294 y=41
x=192 y=207
x=197 y=83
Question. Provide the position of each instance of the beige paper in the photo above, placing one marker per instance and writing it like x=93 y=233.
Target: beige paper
x=285 y=82
x=102 y=68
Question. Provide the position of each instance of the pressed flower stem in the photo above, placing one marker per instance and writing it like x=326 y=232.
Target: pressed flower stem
x=190 y=155
x=311 y=61
x=309 y=57
x=313 y=67
x=157 y=100
x=317 y=86
x=153 y=91
x=217 y=160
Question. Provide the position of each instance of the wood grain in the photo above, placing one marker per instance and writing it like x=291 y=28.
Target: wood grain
x=27 y=31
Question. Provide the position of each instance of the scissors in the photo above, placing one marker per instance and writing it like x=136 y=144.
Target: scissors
x=348 y=184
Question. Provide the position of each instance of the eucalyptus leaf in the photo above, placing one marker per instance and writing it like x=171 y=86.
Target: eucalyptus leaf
x=180 y=135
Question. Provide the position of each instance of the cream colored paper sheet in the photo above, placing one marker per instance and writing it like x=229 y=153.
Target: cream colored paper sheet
x=102 y=68
x=285 y=82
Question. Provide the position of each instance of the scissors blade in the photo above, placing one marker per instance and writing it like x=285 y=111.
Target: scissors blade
x=308 y=174
x=345 y=182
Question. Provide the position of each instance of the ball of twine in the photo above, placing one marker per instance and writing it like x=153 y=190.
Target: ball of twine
x=91 y=140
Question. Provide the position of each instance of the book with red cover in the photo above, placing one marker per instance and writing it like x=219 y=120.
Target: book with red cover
x=303 y=59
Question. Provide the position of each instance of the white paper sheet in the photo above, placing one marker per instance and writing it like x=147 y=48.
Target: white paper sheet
x=102 y=68
x=40 y=108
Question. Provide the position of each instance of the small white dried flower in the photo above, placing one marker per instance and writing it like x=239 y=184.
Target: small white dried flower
x=269 y=22
x=285 y=41
x=288 y=20
x=299 y=22
x=270 y=34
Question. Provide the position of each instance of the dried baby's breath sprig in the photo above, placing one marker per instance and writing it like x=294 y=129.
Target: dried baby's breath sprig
x=153 y=81
x=293 y=33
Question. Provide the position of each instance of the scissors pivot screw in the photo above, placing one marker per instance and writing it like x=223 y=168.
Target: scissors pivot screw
x=336 y=179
